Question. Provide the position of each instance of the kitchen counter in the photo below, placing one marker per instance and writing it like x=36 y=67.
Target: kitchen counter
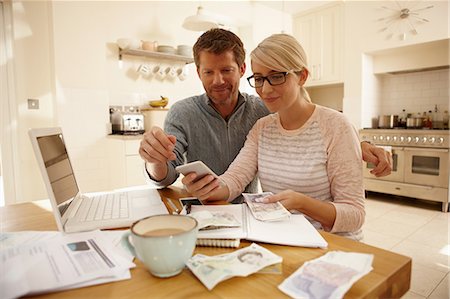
x=125 y=137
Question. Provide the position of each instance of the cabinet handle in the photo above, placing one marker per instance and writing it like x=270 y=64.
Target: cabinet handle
x=319 y=71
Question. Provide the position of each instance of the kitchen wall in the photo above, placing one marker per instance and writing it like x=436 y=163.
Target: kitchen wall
x=363 y=34
x=329 y=96
x=415 y=92
x=65 y=56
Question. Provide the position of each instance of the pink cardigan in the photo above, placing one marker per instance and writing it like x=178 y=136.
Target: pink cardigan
x=322 y=159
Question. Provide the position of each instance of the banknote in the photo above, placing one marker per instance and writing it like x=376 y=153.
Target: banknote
x=265 y=211
x=215 y=219
x=211 y=270
x=329 y=276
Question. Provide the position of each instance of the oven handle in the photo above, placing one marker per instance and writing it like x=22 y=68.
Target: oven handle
x=417 y=149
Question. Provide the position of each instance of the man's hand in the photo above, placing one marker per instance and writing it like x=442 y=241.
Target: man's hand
x=202 y=188
x=156 y=149
x=379 y=157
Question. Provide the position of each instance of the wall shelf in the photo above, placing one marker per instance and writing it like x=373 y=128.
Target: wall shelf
x=157 y=55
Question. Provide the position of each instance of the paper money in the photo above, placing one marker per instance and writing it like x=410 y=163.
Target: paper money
x=265 y=211
x=211 y=270
x=213 y=220
x=329 y=276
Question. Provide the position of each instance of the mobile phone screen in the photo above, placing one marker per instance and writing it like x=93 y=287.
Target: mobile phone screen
x=190 y=200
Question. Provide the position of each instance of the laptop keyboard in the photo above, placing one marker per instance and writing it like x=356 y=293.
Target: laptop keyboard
x=104 y=207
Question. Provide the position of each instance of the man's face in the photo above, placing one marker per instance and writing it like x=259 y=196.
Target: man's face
x=220 y=75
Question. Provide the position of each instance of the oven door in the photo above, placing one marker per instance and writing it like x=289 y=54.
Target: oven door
x=397 y=172
x=426 y=166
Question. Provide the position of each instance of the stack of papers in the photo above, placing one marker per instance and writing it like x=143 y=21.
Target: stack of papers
x=41 y=262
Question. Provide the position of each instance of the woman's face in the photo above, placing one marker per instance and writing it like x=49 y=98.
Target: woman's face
x=278 y=97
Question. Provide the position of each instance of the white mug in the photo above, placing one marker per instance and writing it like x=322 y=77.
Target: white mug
x=182 y=72
x=163 y=243
x=159 y=72
x=172 y=72
x=144 y=69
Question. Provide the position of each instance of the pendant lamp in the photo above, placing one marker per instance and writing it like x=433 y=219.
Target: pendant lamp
x=200 y=21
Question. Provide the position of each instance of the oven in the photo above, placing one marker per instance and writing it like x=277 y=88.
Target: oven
x=420 y=164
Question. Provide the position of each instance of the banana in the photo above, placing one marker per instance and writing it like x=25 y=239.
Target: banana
x=159 y=103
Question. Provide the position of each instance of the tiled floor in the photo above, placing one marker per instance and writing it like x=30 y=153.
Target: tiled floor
x=417 y=229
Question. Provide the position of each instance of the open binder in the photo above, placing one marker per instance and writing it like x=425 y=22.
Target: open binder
x=296 y=231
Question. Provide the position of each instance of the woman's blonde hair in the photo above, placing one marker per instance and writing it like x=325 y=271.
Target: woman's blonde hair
x=281 y=52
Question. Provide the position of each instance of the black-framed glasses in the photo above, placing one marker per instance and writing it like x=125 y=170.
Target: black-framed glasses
x=257 y=81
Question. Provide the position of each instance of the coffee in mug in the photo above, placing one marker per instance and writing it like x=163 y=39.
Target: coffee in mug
x=163 y=243
x=162 y=232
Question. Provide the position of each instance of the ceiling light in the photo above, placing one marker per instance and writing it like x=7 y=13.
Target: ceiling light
x=200 y=21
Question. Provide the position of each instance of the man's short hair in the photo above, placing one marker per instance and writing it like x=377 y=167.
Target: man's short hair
x=219 y=41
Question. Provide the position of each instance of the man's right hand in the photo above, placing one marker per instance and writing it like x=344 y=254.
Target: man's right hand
x=156 y=149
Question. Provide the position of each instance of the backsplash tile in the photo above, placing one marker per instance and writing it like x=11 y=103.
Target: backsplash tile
x=415 y=92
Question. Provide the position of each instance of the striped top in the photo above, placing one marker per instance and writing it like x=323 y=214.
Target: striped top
x=322 y=159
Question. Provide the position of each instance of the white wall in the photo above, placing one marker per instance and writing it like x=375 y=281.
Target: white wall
x=33 y=70
x=66 y=56
x=416 y=92
x=362 y=35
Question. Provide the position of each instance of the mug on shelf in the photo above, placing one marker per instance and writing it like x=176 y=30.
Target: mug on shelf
x=159 y=71
x=149 y=46
x=182 y=72
x=144 y=70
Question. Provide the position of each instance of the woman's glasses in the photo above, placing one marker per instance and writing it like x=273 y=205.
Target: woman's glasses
x=257 y=81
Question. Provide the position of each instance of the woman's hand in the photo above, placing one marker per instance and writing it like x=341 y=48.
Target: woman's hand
x=291 y=200
x=321 y=211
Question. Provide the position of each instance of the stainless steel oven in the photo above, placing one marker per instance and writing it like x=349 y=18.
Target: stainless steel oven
x=420 y=164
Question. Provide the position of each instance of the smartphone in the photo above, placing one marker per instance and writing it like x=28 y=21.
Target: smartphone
x=190 y=200
x=198 y=167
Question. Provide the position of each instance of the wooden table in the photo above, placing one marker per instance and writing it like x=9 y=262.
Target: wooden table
x=390 y=277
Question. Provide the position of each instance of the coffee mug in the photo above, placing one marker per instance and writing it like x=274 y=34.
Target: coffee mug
x=182 y=73
x=144 y=69
x=171 y=72
x=163 y=243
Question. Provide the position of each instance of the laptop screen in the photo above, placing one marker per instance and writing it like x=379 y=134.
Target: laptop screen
x=59 y=170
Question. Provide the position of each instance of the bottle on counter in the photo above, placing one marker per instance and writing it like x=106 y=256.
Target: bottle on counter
x=402 y=119
x=445 y=120
x=430 y=119
x=438 y=122
x=425 y=120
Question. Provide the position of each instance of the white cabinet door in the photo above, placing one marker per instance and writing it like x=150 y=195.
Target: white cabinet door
x=126 y=165
x=330 y=62
x=135 y=171
x=321 y=35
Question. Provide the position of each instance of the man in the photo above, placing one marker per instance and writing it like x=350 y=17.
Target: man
x=212 y=127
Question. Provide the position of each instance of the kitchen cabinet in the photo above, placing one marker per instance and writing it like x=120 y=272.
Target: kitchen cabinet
x=125 y=164
x=321 y=34
x=157 y=55
x=154 y=117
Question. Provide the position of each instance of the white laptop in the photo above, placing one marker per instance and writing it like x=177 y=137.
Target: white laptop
x=76 y=212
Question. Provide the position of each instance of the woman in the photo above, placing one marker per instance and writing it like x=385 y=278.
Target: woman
x=309 y=156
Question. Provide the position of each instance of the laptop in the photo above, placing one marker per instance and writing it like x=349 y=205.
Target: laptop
x=74 y=211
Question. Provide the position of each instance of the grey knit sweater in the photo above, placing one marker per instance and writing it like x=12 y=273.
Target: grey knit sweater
x=202 y=133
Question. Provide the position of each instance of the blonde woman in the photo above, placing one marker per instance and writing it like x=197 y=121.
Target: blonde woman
x=309 y=156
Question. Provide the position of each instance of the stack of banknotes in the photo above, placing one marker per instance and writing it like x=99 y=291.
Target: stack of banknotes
x=265 y=211
x=211 y=270
x=214 y=220
x=329 y=276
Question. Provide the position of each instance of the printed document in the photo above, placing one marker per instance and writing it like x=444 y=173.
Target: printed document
x=59 y=262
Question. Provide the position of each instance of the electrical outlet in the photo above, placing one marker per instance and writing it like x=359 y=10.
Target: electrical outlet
x=33 y=104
